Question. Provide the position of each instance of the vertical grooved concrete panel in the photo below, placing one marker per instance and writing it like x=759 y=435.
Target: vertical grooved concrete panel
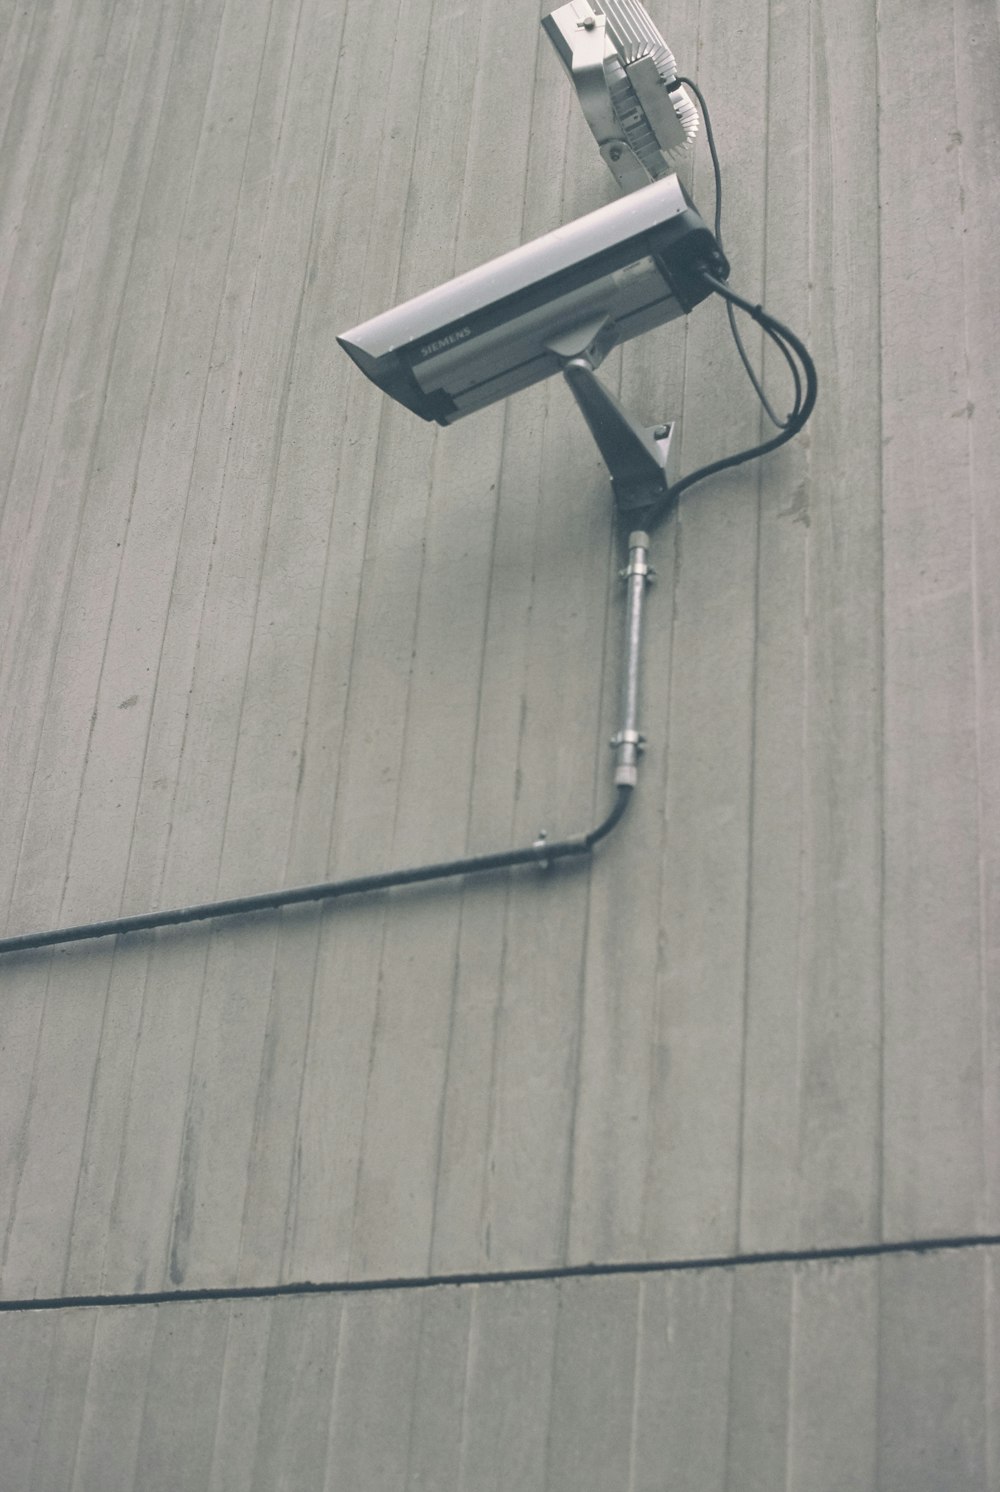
x=260 y=627
x=264 y=627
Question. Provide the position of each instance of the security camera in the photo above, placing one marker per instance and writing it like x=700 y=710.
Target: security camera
x=572 y=294
x=560 y=303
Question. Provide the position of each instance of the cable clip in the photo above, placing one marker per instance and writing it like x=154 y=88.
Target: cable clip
x=539 y=846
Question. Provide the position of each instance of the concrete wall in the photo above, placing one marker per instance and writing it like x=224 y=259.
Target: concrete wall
x=260 y=627
x=860 y=1374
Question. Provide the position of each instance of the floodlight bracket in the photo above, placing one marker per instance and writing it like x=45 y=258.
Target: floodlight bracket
x=580 y=37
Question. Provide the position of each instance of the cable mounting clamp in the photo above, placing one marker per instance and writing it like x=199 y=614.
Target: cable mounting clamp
x=540 y=845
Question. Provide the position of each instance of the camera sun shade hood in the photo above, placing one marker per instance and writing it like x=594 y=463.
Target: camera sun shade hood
x=623 y=269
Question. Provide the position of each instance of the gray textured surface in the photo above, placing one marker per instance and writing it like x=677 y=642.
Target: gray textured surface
x=263 y=627
x=260 y=627
x=810 y=1378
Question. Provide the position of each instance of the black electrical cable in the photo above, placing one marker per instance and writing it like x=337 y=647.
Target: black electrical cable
x=716 y=168
x=740 y=348
x=789 y=343
x=540 y=853
x=795 y=424
x=790 y=346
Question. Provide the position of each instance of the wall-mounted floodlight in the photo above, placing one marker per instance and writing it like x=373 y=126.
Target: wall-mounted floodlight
x=626 y=79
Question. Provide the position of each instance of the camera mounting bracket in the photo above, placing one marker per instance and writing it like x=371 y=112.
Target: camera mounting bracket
x=635 y=455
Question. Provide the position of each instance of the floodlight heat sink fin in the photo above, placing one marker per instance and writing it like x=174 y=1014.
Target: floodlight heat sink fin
x=625 y=77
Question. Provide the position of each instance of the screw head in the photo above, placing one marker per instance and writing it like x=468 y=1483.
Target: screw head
x=615 y=152
x=588 y=23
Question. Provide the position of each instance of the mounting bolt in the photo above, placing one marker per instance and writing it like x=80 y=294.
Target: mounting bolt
x=615 y=152
x=661 y=431
x=588 y=23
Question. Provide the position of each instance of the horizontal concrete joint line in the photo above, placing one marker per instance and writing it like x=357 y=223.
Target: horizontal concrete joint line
x=514 y=1276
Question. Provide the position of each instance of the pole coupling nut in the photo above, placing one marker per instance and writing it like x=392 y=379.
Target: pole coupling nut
x=637 y=567
x=628 y=738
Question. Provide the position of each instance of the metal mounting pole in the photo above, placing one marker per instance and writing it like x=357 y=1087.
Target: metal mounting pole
x=628 y=743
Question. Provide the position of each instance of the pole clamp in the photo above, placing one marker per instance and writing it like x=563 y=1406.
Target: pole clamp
x=638 y=567
x=628 y=738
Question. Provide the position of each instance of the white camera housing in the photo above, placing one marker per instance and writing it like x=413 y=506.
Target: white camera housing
x=615 y=272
